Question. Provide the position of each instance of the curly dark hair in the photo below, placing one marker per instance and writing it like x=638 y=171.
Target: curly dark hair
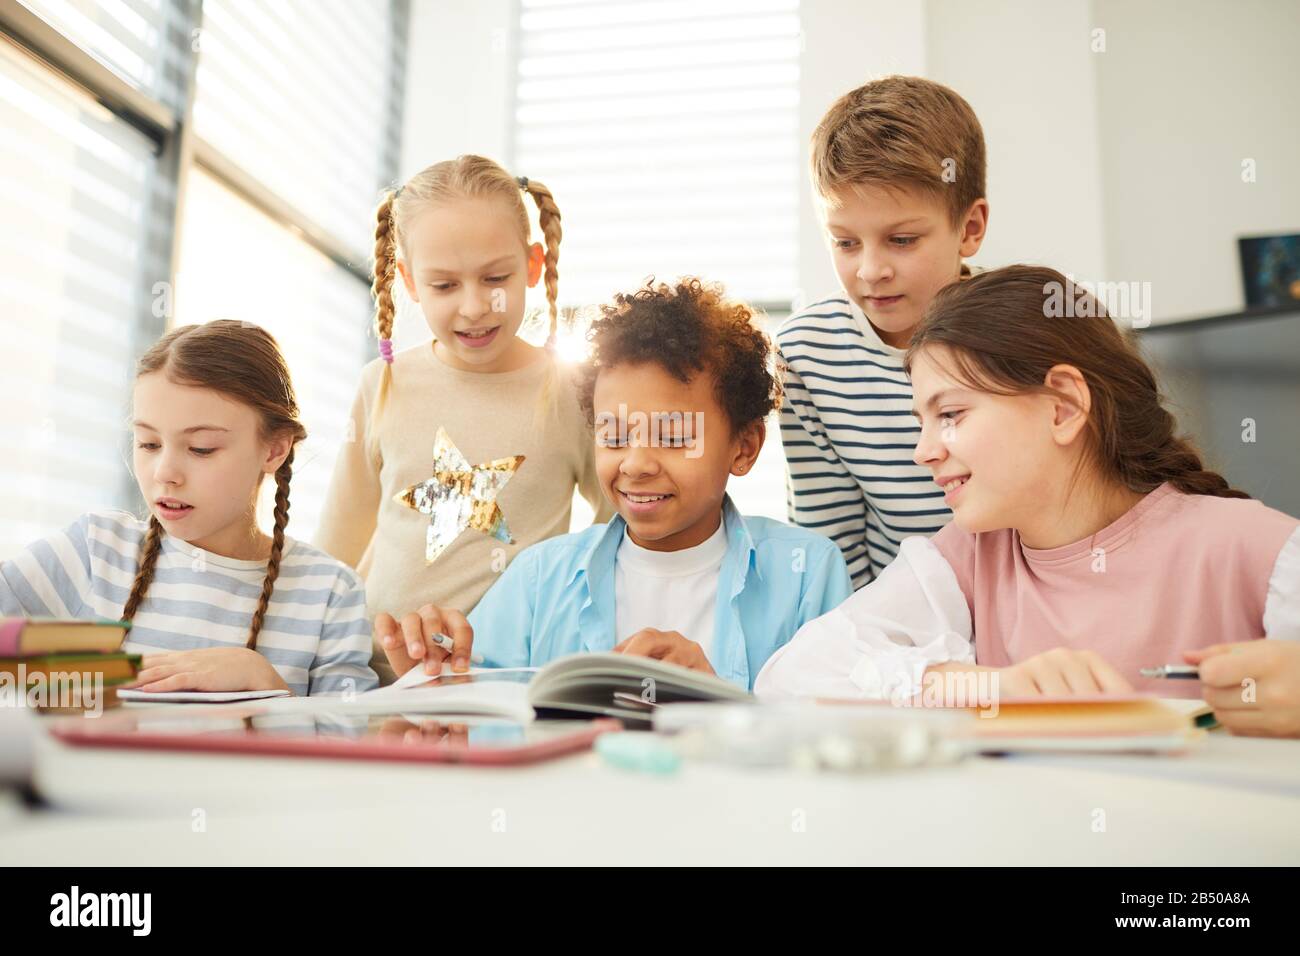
x=686 y=329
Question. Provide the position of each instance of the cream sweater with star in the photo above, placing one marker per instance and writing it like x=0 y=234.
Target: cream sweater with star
x=486 y=416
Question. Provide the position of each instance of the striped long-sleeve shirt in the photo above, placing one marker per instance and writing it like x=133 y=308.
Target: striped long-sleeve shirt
x=849 y=436
x=315 y=634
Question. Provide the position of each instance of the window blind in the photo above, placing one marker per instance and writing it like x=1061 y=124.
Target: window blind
x=296 y=110
x=75 y=183
x=136 y=39
x=668 y=132
x=304 y=96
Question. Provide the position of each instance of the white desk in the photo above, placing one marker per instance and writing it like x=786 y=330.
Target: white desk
x=123 y=807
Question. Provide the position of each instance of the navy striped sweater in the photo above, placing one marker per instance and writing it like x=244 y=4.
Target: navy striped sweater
x=849 y=436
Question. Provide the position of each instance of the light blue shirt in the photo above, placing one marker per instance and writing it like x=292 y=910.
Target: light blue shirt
x=557 y=597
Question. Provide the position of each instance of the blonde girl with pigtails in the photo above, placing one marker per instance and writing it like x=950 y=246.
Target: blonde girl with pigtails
x=465 y=450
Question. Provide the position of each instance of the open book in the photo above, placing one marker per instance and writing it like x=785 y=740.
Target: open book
x=585 y=685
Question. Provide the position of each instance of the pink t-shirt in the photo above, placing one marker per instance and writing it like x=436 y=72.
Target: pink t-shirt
x=1176 y=572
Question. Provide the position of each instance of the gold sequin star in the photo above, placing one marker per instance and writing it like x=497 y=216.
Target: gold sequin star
x=460 y=496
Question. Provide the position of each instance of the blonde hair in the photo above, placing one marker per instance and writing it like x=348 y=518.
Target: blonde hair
x=902 y=131
x=467 y=176
x=242 y=361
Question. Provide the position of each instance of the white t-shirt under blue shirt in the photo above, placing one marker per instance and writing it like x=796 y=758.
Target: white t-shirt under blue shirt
x=669 y=590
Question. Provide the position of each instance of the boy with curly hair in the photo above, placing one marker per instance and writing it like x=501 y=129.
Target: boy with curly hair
x=677 y=390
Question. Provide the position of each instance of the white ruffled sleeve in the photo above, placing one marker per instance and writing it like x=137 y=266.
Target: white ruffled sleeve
x=1282 y=606
x=879 y=642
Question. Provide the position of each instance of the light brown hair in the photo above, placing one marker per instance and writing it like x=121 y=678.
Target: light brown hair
x=1004 y=334
x=244 y=363
x=901 y=132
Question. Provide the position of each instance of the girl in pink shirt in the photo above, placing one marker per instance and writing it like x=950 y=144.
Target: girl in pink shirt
x=1088 y=539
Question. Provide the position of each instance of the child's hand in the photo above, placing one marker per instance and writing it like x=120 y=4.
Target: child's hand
x=1062 y=672
x=666 y=646
x=208 y=669
x=1253 y=686
x=413 y=641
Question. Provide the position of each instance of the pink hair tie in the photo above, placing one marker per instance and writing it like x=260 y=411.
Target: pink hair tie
x=386 y=350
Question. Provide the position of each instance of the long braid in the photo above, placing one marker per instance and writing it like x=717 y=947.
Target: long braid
x=1138 y=438
x=282 y=476
x=548 y=218
x=150 y=548
x=381 y=287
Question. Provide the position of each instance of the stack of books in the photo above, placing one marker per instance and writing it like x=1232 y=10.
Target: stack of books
x=64 y=666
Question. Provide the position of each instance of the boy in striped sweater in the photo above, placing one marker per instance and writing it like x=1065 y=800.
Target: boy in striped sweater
x=898 y=172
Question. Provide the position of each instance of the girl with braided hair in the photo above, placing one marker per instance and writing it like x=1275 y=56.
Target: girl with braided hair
x=434 y=426
x=215 y=603
x=1089 y=541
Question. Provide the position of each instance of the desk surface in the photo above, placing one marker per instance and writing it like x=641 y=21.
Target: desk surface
x=1236 y=801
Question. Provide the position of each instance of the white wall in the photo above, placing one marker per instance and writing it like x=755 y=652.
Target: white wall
x=1025 y=68
x=845 y=44
x=459 y=79
x=1186 y=91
